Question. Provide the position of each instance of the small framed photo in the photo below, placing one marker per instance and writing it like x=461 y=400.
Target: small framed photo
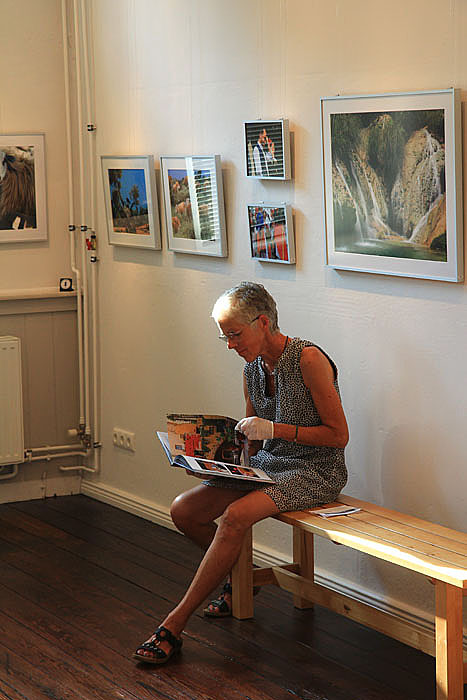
x=194 y=204
x=23 y=210
x=271 y=234
x=267 y=149
x=392 y=167
x=131 y=206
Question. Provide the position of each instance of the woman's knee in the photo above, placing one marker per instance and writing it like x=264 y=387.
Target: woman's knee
x=234 y=519
x=181 y=512
x=188 y=510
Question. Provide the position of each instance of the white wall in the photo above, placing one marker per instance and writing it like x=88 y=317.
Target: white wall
x=174 y=78
x=32 y=101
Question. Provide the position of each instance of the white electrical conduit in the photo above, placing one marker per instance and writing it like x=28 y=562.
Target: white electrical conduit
x=83 y=320
x=91 y=170
x=71 y=206
x=82 y=216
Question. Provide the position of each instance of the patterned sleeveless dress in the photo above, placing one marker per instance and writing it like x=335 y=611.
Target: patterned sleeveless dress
x=305 y=476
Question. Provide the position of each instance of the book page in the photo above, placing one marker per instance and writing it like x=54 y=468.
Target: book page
x=233 y=471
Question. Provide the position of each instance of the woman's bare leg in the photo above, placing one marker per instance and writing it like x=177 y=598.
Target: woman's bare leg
x=219 y=558
x=195 y=511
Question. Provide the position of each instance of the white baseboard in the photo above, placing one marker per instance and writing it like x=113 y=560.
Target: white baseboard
x=263 y=556
x=126 y=501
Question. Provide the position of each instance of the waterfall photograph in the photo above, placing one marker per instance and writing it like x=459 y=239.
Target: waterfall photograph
x=390 y=181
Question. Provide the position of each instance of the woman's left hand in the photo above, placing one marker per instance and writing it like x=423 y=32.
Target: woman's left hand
x=256 y=428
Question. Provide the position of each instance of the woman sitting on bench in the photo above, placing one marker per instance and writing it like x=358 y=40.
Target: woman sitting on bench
x=296 y=431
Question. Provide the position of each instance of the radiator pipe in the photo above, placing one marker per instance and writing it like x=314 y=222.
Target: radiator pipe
x=12 y=475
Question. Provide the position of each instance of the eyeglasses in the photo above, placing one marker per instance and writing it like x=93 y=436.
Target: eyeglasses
x=236 y=334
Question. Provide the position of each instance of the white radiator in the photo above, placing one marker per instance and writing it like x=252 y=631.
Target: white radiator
x=11 y=402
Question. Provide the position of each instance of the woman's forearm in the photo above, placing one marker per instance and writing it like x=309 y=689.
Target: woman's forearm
x=317 y=435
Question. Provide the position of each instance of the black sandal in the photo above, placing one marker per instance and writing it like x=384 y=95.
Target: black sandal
x=158 y=655
x=221 y=606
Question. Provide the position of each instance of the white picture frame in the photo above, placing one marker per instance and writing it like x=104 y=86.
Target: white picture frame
x=392 y=183
x=267 y=149
x=194 y=204
x=131 y=206
x=271 y=233
x=23 y=200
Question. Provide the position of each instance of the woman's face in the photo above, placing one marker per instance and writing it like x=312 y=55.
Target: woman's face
x=243 y=337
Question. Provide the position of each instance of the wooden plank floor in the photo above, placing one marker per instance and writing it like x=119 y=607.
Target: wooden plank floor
x=83 y=583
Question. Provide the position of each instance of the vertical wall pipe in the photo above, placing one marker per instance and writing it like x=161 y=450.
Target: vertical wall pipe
x=92 y=173
x=82 y=216
x=71 y=209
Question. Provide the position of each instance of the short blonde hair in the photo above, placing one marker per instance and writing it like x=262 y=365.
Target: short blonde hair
x=245 y=301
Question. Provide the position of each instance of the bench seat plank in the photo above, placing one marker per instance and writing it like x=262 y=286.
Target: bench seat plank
x=425 y=525
x=340 y=530
x=365 y=524
x=401 y=526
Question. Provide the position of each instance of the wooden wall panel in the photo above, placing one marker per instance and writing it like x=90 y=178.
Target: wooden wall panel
x=50 y=367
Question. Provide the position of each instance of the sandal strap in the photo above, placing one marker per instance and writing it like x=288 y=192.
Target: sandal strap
x=153 y=648
x=220 y=604
x=162 y=634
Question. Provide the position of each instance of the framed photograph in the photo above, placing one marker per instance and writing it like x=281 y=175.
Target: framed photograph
x=23 y=210
x=393 y=184
x=271 y=234
x=194 y=204
x=131 y=206
x=267 y=149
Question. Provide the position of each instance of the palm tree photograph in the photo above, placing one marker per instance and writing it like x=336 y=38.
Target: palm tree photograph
x=129 y=202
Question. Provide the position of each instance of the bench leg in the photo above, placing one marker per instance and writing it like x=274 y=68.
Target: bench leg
x=242 y=581
x=303 y=555
x=449 y=661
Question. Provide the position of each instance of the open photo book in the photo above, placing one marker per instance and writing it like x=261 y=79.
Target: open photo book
x=211 y=467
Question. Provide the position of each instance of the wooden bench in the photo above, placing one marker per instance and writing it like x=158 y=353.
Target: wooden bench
x=432 y=550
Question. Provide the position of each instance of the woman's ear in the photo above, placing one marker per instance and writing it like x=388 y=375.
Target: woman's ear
x=263 y=321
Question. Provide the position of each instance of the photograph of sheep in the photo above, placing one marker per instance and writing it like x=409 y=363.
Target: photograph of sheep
x=132 y=210
x=194 y=204
x=267 y=149
x=22 y=188
x=271 y=235
x=390 y=169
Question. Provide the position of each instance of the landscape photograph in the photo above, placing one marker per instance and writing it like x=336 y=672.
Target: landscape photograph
x=388 y=183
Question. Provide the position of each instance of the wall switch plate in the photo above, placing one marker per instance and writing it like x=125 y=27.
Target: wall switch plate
x=124 y=439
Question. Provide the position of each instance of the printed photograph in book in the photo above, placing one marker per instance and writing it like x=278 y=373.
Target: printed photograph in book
x=209 y=468
x=388 y=183
x=205 y=436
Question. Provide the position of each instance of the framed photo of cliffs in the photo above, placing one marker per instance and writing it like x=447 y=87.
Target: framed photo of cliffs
x=392 y=183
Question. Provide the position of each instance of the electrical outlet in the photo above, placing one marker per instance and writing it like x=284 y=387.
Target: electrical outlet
x=124 y=439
